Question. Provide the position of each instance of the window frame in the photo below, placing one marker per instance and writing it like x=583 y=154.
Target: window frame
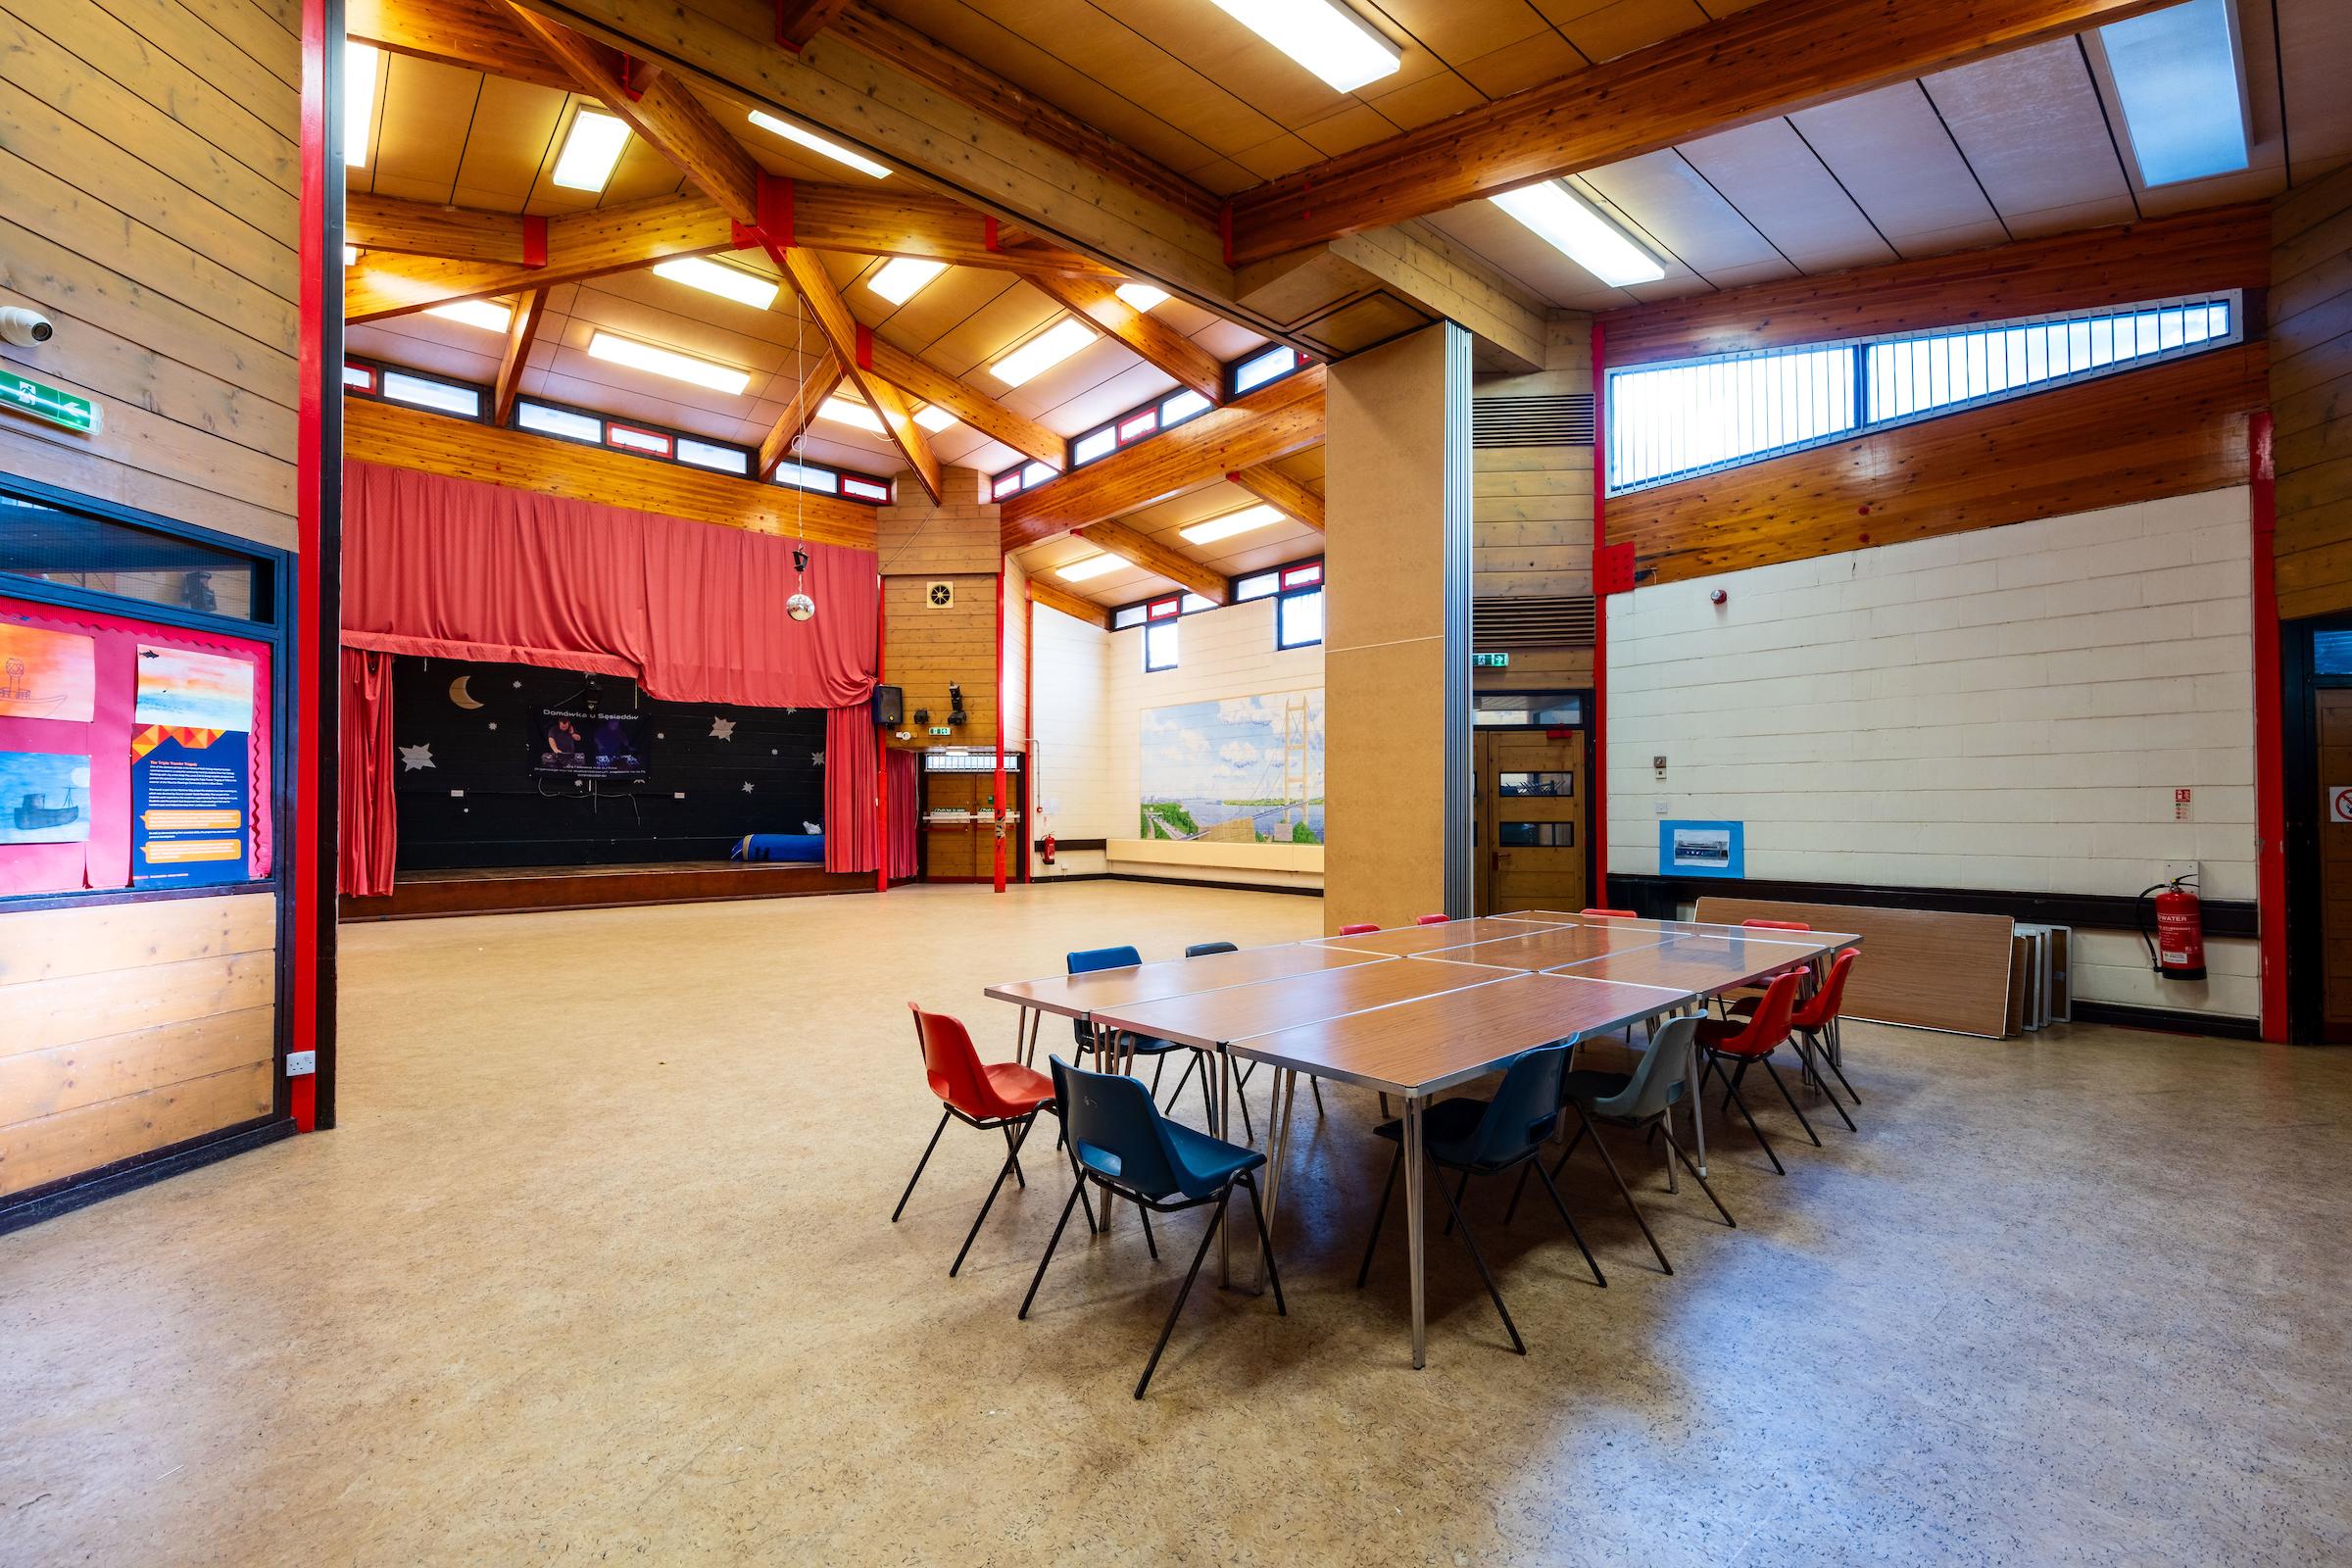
x=1284 y=591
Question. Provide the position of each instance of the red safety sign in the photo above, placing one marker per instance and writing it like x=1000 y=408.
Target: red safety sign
x=2339 y=805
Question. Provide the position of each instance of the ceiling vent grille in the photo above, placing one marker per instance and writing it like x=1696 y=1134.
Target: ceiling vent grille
x=1565 y=621
x=1564 y=420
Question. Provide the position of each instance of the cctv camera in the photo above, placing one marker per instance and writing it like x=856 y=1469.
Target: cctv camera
x=24 y=327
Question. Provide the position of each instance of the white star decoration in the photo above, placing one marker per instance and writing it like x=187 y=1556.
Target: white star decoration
x=416 y=758
x=722 y=730
x=747 y=786
x=818 y=757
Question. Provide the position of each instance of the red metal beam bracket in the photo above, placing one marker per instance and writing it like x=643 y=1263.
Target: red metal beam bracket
x=775 y=214
x=1613 y=568
x=534 y=241
x=866 y=347
x=988 y=233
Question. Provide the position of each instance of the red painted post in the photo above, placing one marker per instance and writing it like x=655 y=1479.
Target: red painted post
x=311 y=872
x=2269 y=764
x=999 y=802
x=1599 y=751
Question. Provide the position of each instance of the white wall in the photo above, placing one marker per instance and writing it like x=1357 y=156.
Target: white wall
x=1091 y=691
x=2008 y=709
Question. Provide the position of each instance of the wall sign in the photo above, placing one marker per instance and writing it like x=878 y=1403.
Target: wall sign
x=2340 y=804
x=1703 y=849
x=21 y=394
x=1489 y=660
x=190 y=768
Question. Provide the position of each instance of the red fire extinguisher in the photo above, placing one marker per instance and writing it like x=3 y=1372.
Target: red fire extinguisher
x=1046 y=849
x=2177 y=949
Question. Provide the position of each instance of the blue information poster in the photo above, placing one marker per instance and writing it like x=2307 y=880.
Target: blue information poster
x=1703 y=849
x=191 y=769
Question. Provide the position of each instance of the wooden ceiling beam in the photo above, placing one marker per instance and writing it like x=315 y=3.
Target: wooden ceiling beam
x=1160 y=345
x=1270 y=423
x=1141 y=550
x=873 y=221
x=1293 y=497
x=1069 y=604
x=421 y=229
x=816 y=386
x=583 y=245
x=798 y=21
x=1763 y=60
x=529 y=311
x=805 y=271
x=973 y=406
x=477 y=34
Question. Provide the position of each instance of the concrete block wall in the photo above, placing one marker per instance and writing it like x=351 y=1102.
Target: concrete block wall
x=2011 y=708
x=1070 y=720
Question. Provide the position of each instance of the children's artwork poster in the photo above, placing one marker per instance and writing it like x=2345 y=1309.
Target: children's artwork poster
x=191 y=768
x=47 y=674
x=44 y=798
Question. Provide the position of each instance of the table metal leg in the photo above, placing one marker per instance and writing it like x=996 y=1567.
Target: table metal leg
x=1037 y=1020
x=1412 y=1223
x=1224 y=1067
x=1278 y=1143
x=1699 y=1112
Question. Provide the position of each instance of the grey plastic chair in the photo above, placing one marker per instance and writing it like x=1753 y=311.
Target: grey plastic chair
x=1638 y=1100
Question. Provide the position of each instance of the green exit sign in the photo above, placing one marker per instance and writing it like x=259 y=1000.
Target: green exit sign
x=21 y=394
x=1491 y=660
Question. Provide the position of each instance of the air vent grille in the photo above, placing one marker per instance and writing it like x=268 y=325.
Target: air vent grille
x=1565 y=621
x=1564 y=420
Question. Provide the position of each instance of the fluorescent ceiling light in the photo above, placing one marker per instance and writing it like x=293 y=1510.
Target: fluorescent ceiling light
x=1086 y=567
x=668 y=362
x=902 y=277
x=818 y=144
x=728 y=282
x=358 y=100
x=1571 y=224
x=1323 y=35
x=842 y=411
x=931 y=416
x=1043 y=352
x=2184 y=96
x=484 y=314
x=351 y=255
x=1233 y=522
x=1140 y=296
x=590 y=150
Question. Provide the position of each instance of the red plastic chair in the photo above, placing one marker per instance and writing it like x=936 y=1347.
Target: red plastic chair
x=1748 y=1041
x=992 y=1097
x=1433 y=919
x=1610 y=914
x=1815 y=1022
x=1358 y=930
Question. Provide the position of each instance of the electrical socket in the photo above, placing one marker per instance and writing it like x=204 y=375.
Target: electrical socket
x=301 y=1064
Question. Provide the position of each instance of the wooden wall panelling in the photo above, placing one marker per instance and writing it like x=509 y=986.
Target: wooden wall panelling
x=1530 y=512
x=128 y=1026
x=435 y=443
x=931 y=646
x=2311 y=394
x=2169 y=430
x=1920 y=967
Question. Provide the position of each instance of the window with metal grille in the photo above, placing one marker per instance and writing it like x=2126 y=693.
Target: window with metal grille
x=1691 y=416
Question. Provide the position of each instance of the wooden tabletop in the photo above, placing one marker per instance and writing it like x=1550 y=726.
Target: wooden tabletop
x=1549 y=946
x=1707 y=960
x=1211 y=1018
x=1398 y=941
x=1432 y=1043
x=1077 y=995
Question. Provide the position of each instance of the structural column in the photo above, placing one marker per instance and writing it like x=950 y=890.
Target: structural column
x=1396 y=631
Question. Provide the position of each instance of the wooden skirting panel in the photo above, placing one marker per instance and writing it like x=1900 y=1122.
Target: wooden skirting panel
x=2311 y=394
x=436 y=443
x=509 y=891
x=2170 y=429
x=129 y=1026
x=1920 y=967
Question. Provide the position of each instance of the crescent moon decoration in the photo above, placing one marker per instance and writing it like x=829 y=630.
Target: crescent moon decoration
x=458 y=695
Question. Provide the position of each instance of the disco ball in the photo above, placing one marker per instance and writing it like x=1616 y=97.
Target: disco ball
x=799 y=607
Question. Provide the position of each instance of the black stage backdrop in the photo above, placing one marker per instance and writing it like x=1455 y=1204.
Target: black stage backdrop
x=469 y=797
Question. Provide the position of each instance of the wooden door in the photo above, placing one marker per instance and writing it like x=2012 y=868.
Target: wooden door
x=1531 y=820
x=2333 y=731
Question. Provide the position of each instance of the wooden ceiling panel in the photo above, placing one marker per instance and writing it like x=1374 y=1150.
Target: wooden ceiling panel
x=1786 y=194
x=512 y=139
x=421 y=131
x=1667 y=197
x=938 y=309
x=1430 y=99
x=2314 y=40
x=1506 y=243
x=1126 y=385
x=2030 y=126
x=1456 y=31
x=1275 y=158
x=1606 y=30
x=428 y=344
x=1538 y=58
x=1893 y=157
x=967 y=350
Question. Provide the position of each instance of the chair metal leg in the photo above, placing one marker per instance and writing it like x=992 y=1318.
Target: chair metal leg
x=1316 y=1084
x=944 y=1119
x=1192 y=1063
x=1216 y=1217
x=1078 y=1175
x=1012 y=1151
x=1626 y=1194
x=1815 y=1059
x=1372 y=1241
x=1461 y=1188
x=1732 y=1082
x=1827 y=1051
x=1145 y=1215
x=1160 y=1065
x=1476 y=1257
x=1265 y=1242
x=1782 y=1085
x=1599 y=1278
x=1012 y=1158
x=1703 y=1182
x=1038 y=1278
x=1384 y=1104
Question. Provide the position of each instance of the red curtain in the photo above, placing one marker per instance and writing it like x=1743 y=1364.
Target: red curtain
x=692 y=612
x=851 y=843
x=369 y=840
x=905 y=806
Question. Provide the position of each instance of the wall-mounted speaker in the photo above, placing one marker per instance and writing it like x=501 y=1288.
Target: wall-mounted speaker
x=890 y=706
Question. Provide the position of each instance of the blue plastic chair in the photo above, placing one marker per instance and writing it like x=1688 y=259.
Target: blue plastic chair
x=1485 y=1138
x=1095 y=959
x=1640 y=1101
x=1124 y=1144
